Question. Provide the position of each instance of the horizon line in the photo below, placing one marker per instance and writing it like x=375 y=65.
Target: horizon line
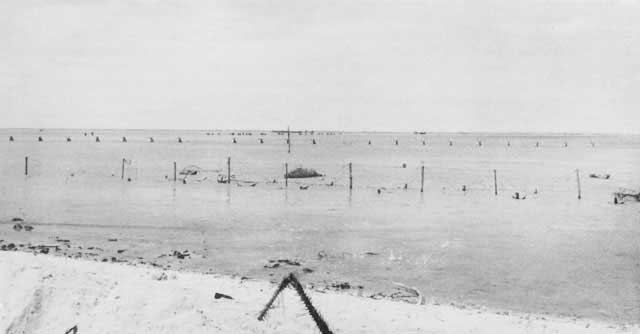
x=422 y=132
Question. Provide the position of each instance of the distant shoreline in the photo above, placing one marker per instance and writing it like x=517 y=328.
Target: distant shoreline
x=339 y=132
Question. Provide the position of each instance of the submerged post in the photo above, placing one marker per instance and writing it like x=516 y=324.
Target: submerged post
x=286 y=174
x=288 y=140
x=175 y=167
x=350 y=176
x=578 y=179
x=26 y=165
x=422 y=179
x=122 y=173
x=229 y=170
x=495 y=182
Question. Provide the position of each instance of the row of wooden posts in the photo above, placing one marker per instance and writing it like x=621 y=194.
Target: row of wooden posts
x=286 y=173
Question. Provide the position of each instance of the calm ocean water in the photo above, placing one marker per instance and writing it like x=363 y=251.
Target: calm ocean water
x=549 y=253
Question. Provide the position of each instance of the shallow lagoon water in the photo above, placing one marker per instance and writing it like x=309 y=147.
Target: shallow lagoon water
x=549 y=253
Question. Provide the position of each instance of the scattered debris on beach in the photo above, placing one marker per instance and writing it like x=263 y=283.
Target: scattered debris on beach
x=276 y=263
x=218 y=295
x=21 y=226
x=180 y=255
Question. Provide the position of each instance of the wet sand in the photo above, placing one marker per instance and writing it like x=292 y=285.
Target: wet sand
x=49 y=294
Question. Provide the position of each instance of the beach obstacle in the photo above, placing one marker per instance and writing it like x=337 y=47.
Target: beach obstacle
x=422 y=179
x=97 y=139
x=495 y=182
x=288 y=140
x=151 y=139
x=39 y=138
x=286 y=174
x=578 y=181
x=179 y=139
x=10 y=138
x=350 y=176
x=124 y=139
x=26 y=165
x=122 y=170
x=68 y=139
x=292 y=280
x=175 y=168
x=229 y=170
x=72 y=330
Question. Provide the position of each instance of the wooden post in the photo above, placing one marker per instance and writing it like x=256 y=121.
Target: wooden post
x=122 y=174
x=229 y=170
x=286 y=174
x=26 y=165
x=350 y=176
x=175 y=167
x=288 y=140
x=578 y=179
x=495 y=182
x=422 y=179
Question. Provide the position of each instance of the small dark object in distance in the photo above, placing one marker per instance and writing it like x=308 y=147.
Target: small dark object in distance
x=221 y=295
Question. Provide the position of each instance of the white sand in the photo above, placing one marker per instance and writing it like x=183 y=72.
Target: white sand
x=47 y=294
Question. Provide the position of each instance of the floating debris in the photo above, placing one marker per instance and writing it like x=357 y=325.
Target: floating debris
x=300 y=173
x=516 y=195
x=622 y=194
x=191 y=170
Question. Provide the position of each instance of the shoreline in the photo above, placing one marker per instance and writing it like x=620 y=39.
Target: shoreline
x=50 y=294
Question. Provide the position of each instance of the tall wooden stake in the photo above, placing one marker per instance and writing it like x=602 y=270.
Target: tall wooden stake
x=175 y=176
x=122 y=173
x=422 y=179
x=578 y=179
x=229 y=170
x=350 y=176
x=288 y=140
x=286 y=174
x=495 y=182
x=26 y=165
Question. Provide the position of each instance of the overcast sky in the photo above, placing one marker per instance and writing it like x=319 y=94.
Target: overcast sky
x=512 y=65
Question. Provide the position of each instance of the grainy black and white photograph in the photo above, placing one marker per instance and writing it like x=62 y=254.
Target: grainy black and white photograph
x=307 y=166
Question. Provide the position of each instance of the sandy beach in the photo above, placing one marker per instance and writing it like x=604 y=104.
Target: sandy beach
x=49 y=294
